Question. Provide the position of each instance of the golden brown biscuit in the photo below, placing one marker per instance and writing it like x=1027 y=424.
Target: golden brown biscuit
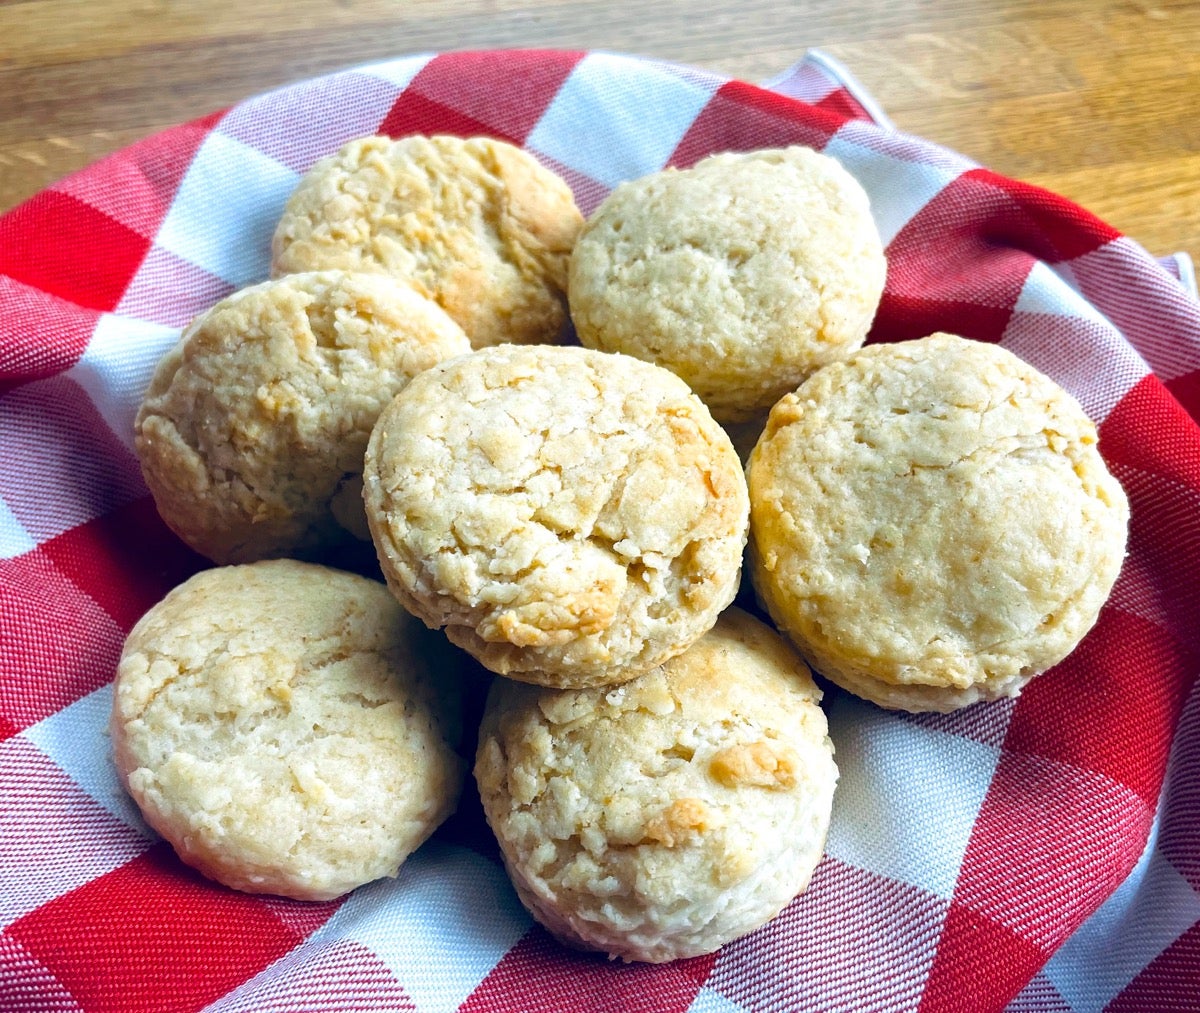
x=477 y=225
x=932 y=523
x=287 y=728
x=667 y=816
x=570 y=517
x=742 y=274
x=251 y=435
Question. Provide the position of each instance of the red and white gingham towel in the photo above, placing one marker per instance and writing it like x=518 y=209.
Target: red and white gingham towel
x=1039 y=855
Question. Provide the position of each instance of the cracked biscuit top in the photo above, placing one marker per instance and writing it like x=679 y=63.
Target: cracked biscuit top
x=252 y=432
x=287 y=727
x=476 y=224
x=742 y=274
x=664 y=817
x=932 y=523
x=571 y=517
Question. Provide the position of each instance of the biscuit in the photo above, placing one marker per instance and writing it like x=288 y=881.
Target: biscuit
x=286 y=728
x=742 y=274
x=932 y=523
x=252 y=432
x=672 y=814
x=570 y=517
x=477 y=225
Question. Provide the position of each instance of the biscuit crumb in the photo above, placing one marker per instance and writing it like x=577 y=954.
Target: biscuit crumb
x=682 y=820
x=760 y=764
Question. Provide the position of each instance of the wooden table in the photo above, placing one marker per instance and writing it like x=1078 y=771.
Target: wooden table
x=1096 y=99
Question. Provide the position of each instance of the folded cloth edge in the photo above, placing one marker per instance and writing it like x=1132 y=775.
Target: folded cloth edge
x=1179 y=264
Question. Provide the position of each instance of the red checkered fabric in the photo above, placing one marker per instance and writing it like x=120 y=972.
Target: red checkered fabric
x=1041 y=854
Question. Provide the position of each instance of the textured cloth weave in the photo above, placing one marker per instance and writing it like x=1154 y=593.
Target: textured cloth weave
x=1041 y=854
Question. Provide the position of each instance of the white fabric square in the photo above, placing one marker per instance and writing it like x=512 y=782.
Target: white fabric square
x=1143 y=916
x=397 y=72
x=615 y=119
x=1089 y=359
x=76 y=739
x=907 y=796
x=14 y=539
x=61 y=466
x=229 y=237
x=440 y=926
x=323 y=114
x=1047 y=291
x=898 y=189
x=116 y=367
x=709 y=1001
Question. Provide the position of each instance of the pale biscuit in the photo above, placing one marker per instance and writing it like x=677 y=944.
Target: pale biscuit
x=478 y=225
x=251 y=435
x=672 y=814
x=287 y=728
x=932 y=523
x=570 y=517
x=742 y=274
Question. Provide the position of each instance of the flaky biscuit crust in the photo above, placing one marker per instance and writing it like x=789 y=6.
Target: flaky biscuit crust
x=252 y=432
x=570 y=517
x=932 y=523
x=742 y=274
x=667 y=816
x=476 y=224
x=287 y=728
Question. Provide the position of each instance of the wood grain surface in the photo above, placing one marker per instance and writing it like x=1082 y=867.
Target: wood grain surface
x=1098 y=100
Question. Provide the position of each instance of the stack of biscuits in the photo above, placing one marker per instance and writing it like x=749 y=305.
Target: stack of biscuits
x=927 y=524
